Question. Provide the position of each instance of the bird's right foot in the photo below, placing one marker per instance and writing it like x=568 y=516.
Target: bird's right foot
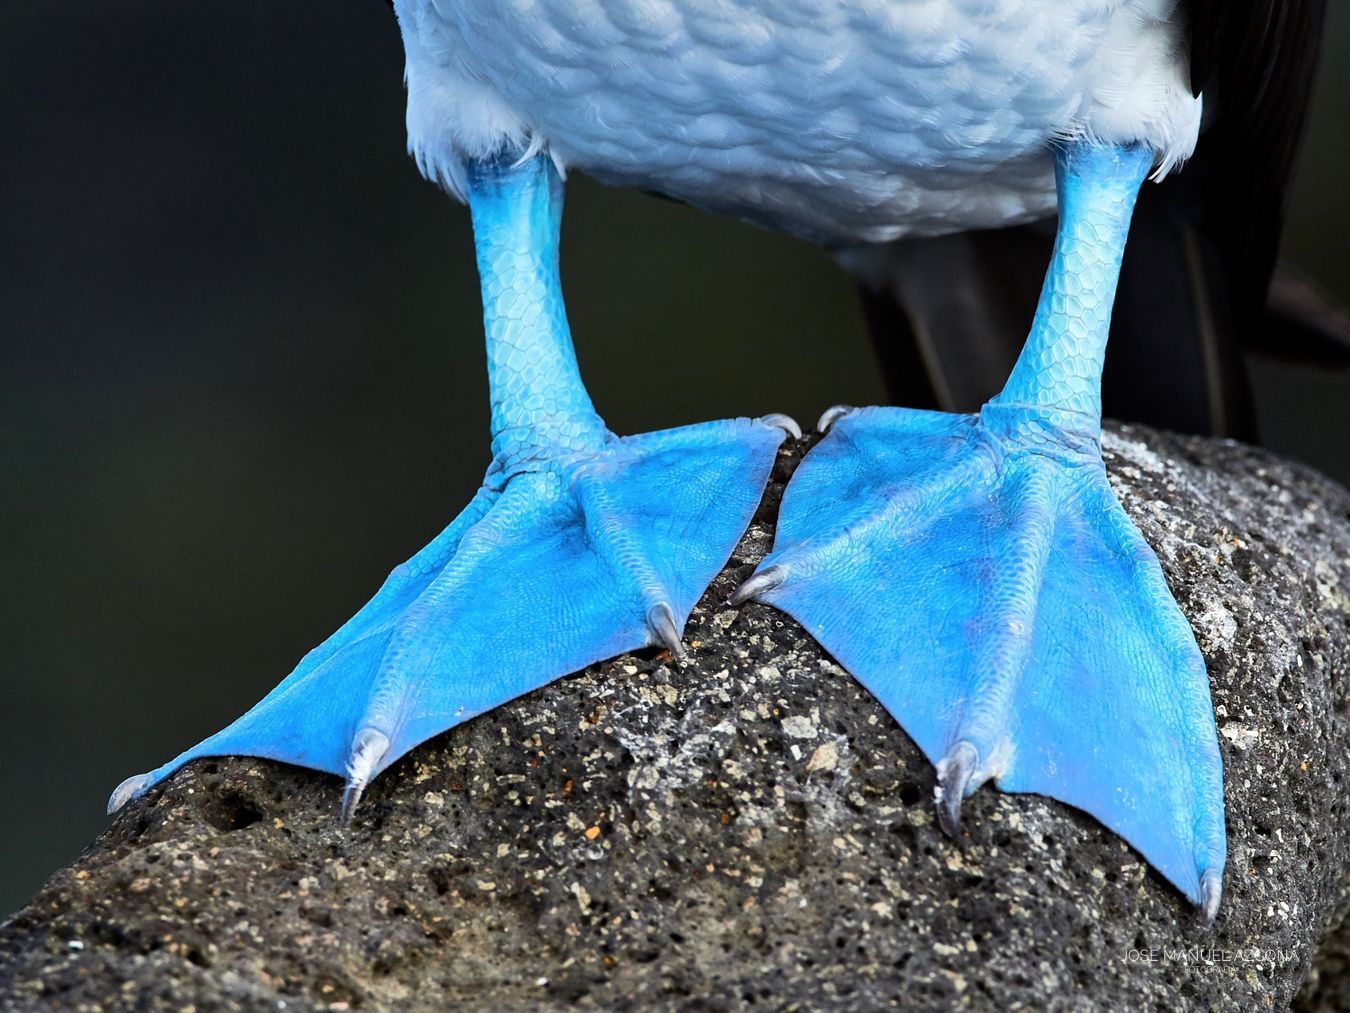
x=569 y=560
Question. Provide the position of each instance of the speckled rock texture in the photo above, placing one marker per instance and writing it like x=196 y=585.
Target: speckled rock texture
x=749 y=828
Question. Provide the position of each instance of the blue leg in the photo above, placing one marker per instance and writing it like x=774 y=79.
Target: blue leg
x=580 y=544
x=977 y=574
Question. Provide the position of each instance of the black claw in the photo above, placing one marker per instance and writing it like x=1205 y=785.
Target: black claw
x=831 y=416
x=758 y=584
x=1211 y=892
x=351 y=798
x=368 y=748
x=784 y=422
x=661 y=621
x=126 y=791
x=954 y=772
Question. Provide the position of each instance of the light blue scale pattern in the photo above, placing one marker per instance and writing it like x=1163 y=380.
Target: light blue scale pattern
x=977 y=574
x=560 y=559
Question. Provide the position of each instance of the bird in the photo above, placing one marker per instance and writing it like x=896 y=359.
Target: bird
x=969 y=565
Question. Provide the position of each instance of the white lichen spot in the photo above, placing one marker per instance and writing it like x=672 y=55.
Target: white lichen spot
x=1218 y=627
x=957 y=980
x=722 y=620
x=825 y=757
x=1136 y=452
x=583 y=897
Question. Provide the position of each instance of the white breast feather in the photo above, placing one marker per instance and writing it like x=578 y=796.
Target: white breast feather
x=844 y=121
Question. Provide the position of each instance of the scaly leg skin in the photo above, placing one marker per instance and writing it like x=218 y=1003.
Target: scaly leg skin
x=978 y=576
x=580 y=544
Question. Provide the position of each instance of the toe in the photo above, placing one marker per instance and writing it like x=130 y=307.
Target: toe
x=832 y=415
x=664 y=631
x=954 y=773
x=129 y=789
x=759 y=584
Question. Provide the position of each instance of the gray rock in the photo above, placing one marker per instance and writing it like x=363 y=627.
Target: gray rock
x=751 y=828
x=1328 y=986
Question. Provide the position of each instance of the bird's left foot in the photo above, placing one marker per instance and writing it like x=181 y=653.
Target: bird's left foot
x=977 y=574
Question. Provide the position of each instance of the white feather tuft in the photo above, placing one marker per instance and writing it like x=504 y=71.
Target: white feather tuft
x=843 y=122
x=454 y=114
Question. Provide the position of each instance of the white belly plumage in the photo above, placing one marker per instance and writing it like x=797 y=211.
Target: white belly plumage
x=845 y=121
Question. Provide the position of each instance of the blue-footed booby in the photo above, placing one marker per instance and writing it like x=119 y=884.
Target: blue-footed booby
x=973 y=570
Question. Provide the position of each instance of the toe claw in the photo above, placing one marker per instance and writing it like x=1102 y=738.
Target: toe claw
x=1211 y=892
x=126 y=791
x=831 y=416
x=954 y=772
x=368 y=748
x=758 y=584
x=661 y=622
x=784 y=422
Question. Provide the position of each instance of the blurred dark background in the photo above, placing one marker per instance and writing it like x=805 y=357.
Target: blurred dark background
x=241 y=373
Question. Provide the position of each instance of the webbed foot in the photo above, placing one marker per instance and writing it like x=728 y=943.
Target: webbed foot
x=572 y=559
x=984 y=583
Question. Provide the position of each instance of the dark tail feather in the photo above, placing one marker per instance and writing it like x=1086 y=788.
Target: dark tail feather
x=1304 y=325
x=1193 y=291
x=1175 y=358
x=949 y=315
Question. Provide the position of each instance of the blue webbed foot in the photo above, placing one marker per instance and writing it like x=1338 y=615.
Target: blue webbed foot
x=580 y=544
x=986 y=586
x=572 y=559
x=977 y=574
